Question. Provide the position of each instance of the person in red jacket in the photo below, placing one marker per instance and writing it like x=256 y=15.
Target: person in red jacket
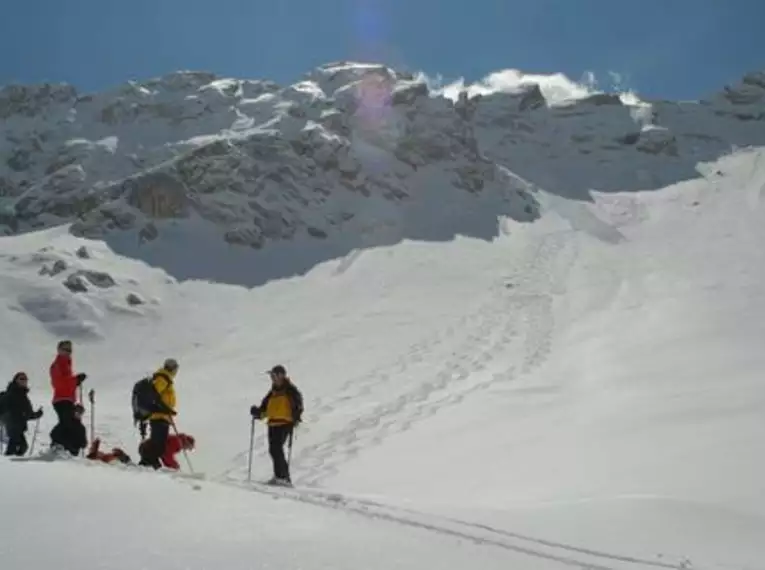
x=175 y=444
x=65 y=384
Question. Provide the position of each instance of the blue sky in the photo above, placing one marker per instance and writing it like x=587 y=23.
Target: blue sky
x=663 y=48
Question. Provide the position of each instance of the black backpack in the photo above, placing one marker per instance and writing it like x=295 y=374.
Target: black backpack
x=145 y=400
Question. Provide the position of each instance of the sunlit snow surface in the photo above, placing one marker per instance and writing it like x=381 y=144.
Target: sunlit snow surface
x=584 y=391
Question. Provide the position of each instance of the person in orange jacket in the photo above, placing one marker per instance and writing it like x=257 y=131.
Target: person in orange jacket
x=175 y=444
x=65 y=384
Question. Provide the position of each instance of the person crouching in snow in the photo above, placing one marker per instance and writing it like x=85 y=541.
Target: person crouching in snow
x=17 y=411
x=116 y=454
x=175 y=444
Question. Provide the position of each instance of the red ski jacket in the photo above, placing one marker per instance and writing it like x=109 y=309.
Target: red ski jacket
x=63 y=381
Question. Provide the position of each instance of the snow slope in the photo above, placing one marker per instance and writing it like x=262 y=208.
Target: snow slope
x=583 y=390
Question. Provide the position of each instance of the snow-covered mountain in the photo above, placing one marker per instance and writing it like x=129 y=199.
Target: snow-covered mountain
x=354 y=149
x=527 y=326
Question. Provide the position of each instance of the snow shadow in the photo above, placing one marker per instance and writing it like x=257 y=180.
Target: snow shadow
x=194 y=249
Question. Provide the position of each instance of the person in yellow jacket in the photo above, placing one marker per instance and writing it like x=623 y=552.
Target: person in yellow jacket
x=282 y=407
x=159 y=422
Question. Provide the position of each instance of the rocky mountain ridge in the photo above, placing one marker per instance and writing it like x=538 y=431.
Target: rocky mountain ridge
x=353 y=148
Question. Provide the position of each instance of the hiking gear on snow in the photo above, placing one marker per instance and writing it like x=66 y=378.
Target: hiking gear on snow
x=277 y=437
x=76 y=410
x=92 y=400
x=252 y=445
x=116 y=454
x=292 y=437
x=34 y=435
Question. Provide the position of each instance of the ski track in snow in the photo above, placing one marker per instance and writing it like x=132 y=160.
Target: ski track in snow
x=493 y=330
x=507 y=315
x=477 y=533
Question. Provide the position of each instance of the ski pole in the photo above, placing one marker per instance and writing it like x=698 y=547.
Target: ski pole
x=185 y=453
x=81 y=402
x=34 y=436
x=252 y=444
x=92 y=398
x=289 y=452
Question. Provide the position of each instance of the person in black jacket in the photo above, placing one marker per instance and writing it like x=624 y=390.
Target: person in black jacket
x=283 y=407
x=17 y=411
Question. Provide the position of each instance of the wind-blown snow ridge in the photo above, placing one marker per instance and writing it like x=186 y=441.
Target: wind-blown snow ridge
x=348 y=158
x=557 y=89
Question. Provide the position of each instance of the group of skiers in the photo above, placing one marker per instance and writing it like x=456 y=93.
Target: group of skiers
x=154 y=403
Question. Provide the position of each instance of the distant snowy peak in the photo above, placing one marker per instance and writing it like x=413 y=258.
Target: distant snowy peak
x=353 y=147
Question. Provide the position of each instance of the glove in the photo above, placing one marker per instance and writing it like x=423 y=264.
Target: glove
x=255 y=412
x=38 y=414
x=81 y=378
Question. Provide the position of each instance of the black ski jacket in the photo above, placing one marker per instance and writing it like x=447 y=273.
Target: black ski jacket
x=18 y=408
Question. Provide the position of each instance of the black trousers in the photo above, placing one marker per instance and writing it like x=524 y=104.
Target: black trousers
x=277 y=437
x=63 y=432
x=154 y=448
x=17 y=441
